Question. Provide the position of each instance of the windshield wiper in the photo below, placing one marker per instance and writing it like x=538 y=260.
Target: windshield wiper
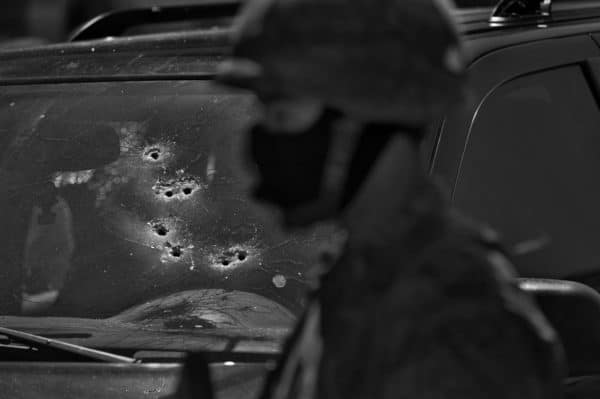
x=46 y=344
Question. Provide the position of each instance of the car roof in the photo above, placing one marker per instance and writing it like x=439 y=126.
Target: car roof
x=477 y=20
x=179 y=55
x=195 y=54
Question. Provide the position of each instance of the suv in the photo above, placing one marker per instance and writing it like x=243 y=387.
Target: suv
x=128 y=231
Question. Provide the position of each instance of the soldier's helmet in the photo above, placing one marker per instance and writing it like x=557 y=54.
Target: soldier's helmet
x=377 y=60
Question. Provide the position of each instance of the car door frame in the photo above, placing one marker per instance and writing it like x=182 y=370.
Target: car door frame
x=492 y=69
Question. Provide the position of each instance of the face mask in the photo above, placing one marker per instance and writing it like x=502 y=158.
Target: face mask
x=291 y=167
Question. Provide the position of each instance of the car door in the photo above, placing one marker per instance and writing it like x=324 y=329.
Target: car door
x=524 y=154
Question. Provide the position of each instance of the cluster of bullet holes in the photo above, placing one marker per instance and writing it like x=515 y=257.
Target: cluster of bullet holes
x=161 y=230
x=233 y=256
x=185 y=191
x=180 y=189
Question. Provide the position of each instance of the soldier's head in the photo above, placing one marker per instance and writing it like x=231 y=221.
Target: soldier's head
x=391 y=61
x=367 y=65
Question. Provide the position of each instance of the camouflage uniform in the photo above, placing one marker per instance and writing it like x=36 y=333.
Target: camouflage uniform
x=421 y=303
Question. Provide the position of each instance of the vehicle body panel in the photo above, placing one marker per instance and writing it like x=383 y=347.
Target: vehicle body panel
x=491 y=70
x=76 y=381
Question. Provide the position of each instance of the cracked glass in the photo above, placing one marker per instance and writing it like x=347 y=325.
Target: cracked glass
x=128 y=216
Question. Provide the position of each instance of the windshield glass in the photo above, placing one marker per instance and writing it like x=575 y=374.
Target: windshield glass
x=129 y=202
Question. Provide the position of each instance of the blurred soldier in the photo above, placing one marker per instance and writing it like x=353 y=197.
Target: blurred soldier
x=421 y=303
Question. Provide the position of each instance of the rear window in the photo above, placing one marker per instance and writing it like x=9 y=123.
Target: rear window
x=532 y=168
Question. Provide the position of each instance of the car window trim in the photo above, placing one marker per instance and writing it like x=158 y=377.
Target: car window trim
x=105 y=78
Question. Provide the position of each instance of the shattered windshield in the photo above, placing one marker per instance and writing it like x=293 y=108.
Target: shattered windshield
x=129 y=202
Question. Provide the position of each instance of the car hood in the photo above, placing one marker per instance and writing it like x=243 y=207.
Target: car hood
x=199 y=320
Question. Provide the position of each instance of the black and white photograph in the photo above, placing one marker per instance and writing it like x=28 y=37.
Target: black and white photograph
x=299 y=199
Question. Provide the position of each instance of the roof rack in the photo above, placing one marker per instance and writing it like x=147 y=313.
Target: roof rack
x=508 y=11
x=116 y=23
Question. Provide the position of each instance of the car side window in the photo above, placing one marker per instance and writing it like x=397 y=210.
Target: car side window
x=532 y=171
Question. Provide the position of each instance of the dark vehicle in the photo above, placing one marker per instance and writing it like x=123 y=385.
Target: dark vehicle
x=521 y=155
x=129 y=238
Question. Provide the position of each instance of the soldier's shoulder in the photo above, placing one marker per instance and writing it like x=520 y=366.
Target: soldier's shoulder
x=475 y=232
x=469 y=250
x=467 y=235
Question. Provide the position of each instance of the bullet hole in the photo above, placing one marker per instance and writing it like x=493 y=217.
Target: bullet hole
x=154 y=154
x=176 y=251
x=160 y=229
x=181 y=188
x=233 y=256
